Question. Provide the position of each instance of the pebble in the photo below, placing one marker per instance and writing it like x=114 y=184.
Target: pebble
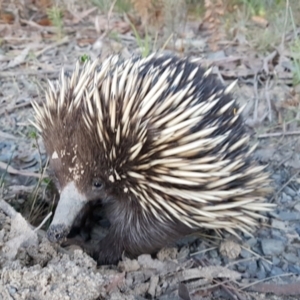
x=252 y=242
x=294 y=269
x=285 y=198
x=12 y=290
x=297 y=207
x=245 y=254
x=261 y=273
x=266 y=265
x=275 y=260
x=252 y=268
x=289 y=216
x=272 y=246
x=277 y=234
x=290 y=191
x=213 y=254
x=278 y=224
x=291 y=257
x=276 y=271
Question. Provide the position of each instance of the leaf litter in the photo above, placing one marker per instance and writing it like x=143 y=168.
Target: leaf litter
x=32 y=50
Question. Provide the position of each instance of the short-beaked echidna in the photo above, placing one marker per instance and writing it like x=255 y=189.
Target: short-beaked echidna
x=159 y=142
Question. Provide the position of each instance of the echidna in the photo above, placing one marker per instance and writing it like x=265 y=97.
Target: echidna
x=160 y=143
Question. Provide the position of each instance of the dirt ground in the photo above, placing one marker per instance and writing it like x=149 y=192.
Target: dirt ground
x=260 y=50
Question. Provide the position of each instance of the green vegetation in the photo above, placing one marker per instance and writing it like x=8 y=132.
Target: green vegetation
x=119 y=6
x=55 y=15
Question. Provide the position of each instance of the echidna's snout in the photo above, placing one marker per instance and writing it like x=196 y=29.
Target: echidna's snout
x=56 y=233
x=70 y=204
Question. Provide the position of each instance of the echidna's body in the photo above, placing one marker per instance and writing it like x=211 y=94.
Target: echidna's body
x=159 y=142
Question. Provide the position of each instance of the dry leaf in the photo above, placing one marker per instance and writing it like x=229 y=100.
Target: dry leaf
x=7 y=18
x=260 y=21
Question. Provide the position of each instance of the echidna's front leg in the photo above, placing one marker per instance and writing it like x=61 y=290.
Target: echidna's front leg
x=135 y=235
x=109 y=250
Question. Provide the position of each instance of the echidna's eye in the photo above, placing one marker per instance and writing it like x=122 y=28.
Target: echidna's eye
x=97 y=184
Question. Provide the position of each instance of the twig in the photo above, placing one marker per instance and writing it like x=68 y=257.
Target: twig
x=268 y=59
x=267 y=95
x=262 y=280
x=285 y=184
x=7 y=136
x=80 y=16
x=11 y=109
x=108 y=30
x=167 y=42
x=14 y=171
x=7 y=209
x=233 y=292
x=43 y=222
x=289 y=289
x=56 y=44
x=285 y=23
x=276 y=134
x=255 y=83
x=203 y=251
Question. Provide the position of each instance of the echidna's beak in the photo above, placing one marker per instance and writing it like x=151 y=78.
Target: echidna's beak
x=70 y=204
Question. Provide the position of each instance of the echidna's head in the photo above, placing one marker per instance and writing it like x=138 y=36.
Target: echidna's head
x=157 y=133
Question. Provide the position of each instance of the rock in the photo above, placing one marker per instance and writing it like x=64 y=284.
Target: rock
x=275 y=260
x=276 y=271
x=285 y=198
x=252 y=268
x=245 y=254
x=278 y=224
x=290 y=191
x=294 y=269
x=289 y=216
x=272 y=247
x=252 y=242
x=297 y=207
x=261 y=274
x=291 y=257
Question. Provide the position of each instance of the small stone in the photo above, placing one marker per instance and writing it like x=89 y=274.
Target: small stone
x=285 y=198
x=261 y=274
x=252 y=268
x=278 y=224
x=241 y=267
x=297 y=207
x=284 y=266
x=272 y=247
x=275 y=260
x=166 y=254
x=277 y=234
x=276 y=271
x=294 y=269
x=230 y=249
x=277 y=178
x=245 y=254
x=290 y=191
x=213 y=254
x=252 y=242
x=183 y=253
x=291 y=257
x=289 y=216
x=12 y=290
x=266 y=265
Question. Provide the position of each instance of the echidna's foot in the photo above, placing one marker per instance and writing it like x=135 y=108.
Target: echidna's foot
x=106 y=257
x=108 y=251
x=88 y=247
